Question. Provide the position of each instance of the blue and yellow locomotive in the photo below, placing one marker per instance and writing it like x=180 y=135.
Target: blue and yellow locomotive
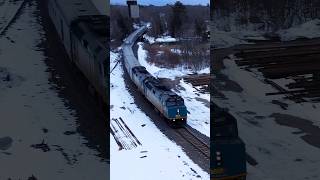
x=228 y=156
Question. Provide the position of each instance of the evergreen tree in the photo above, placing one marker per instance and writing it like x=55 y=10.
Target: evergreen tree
x=177 y=18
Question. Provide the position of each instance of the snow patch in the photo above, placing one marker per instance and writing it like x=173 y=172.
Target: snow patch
x=310 y=29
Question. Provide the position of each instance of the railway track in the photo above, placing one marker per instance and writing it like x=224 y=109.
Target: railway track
x=196 y=142
x=294 y=61
x=123 y=135
x=15 y=16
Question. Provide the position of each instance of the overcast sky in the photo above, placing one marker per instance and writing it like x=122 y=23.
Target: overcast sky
x=162 y=2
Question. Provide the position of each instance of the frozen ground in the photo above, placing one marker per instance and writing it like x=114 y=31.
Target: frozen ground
x=223 y=39
x=7 y=11
x=38 y=133
x=199 y=111
x=310 y=29
x=147 y=153
x=282 y=152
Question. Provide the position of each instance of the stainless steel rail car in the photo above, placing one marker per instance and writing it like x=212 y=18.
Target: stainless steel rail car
x=84 y=34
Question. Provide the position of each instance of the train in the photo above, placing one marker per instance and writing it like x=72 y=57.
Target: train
x=83 y=30
x=228 y=154
x=167 y=102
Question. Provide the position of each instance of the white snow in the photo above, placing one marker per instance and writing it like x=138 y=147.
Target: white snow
x=204 y=71
x=310 y=29
x=273 y=146
x=163 y=39
x=29 y=104
x=166 y=39
x=224 y=39
x=150 y=39
x=242 y=35
x=157 y=71
x=177 y=51
x=157 y=157
x=199 y=117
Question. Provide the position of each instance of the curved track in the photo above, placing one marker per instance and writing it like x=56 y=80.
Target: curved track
x=195 y=141
x=183 y=135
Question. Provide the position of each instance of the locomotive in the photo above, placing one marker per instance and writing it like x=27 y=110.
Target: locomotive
x=83 y=31
x=168 y=103
x=228 y=156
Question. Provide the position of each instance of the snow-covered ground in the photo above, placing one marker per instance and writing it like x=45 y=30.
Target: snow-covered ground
x=32 y=112
x=310 y=29
x=7 y=11
x=163 y=39
x=199 y=116
x=279 y=150
x=157 y=157
x=224 y=39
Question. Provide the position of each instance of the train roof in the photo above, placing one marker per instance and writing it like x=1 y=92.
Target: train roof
x=161 y=88
x=72 y=9
x=221 y=116
x=87 y=23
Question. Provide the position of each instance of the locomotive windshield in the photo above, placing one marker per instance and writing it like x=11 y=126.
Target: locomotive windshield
x=224 y=125
x=224 y=131
x=175 y=103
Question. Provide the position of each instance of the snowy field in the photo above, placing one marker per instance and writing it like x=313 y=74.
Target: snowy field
x=147 y=153
x=199 y=113
x=34 y=119
x=279 y=150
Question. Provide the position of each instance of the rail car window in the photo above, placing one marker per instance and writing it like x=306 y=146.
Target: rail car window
x=62 y=32
x=148 y=86
x=171 y=103
x=85 y=43
x=175 y=103
x=105 y=65
x=100 y=68
x=98 y=49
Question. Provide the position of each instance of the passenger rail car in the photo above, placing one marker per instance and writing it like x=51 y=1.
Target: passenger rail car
x=228 y=156
x=168 y=103
x=85 y=36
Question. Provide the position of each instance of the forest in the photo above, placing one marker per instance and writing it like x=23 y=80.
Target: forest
x=265 y=15
x=177 y=20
